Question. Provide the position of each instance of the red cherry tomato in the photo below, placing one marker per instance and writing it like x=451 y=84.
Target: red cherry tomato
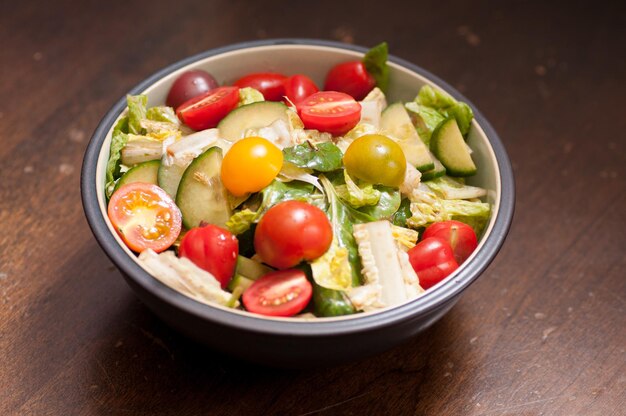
x=433 y=260
x=351 y=78
x=144 y=216
x=280 y=293
x=206 y=110
x=212 y=249
x=330 y=111
x=188 y=85
x=459 y=235
x=270 y=84
x=299 y=87
x=290 y=232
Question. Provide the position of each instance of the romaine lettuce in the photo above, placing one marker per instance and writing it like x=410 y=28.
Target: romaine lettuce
x=375 y=61
x=136 y=112
x=119 y=137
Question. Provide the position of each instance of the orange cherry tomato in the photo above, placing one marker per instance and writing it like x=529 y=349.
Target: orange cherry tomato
x=144 y=216
x=250 y=165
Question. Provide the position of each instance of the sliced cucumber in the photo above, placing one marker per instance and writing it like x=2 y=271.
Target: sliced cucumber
x=448 y=146
x=169 y=177
x=201 y=196
x=251 y=116
x=251 y=269
x=438 y=171
x=180 y=154
x=397 y=122
x=239 y=281
x=143 y=172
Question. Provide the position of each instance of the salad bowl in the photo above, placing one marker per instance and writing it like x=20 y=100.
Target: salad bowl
x=286 y=341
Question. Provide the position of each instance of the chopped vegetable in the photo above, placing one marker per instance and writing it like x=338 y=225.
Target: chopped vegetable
x=322 y=157
x=332 y=191
x=375 y=61
x=182 y=275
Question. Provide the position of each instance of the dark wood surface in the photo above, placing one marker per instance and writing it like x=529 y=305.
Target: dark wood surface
x=542 y=332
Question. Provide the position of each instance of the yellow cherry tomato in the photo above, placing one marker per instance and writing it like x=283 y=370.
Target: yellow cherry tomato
x=250 y=165
x=376 y=159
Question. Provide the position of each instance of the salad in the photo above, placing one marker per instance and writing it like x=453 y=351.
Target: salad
x=272 y=196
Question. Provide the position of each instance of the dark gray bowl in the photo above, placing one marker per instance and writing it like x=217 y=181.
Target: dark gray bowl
x=288 y=342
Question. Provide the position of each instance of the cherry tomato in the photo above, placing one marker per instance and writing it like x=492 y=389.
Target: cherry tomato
x=206 y=110
x=330 y=111
x=188 y=85
x=351 y=78
x=376 y=159
x=299 y=87
x=250 y=165
x=270 y=84
x=459 y=235
x=290 y=232
x=280 y=293
x=213 y=249
x=433 y=260
x=144 y=216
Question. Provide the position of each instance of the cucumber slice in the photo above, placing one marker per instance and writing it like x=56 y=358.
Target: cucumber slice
x=239 y=281
x=201 y=196
x=251 y=269
x=448 y=146
x=169 y=177
x=143 y=172
x=397 y=122
x=438 y=171
x=251 y=116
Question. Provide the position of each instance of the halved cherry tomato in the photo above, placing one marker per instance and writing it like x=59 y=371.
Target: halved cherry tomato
x=206 y=110
x=250 y=165
x=280 y=293
x=290 y=232
x=351 y=78
x=459 y=235
x=330 y=111
x=270 y=84
x=299 y=87
x=212 y=249
x=188 y=85
x=144 y=216
x=433 y=260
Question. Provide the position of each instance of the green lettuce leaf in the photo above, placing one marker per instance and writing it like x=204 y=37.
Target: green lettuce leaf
x=249 y=95
x=272 y=194
x=342 y=217
x=375 y=61
x=241 y=221
x=357 y=195
x=136 y=112
x=332 y=270
x=425 y=119
x=473 y=213
x=388 y=203
x=119 y=137
x=322 y=157
x=451 y=188
x=447 y=106
x=427 y=208
x=163 y=114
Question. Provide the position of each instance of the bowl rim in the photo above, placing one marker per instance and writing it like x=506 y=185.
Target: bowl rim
x=430 y=301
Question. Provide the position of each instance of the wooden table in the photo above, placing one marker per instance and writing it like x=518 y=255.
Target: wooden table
x=542 y=332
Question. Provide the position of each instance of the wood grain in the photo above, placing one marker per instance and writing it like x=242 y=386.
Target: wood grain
x=541 y=332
